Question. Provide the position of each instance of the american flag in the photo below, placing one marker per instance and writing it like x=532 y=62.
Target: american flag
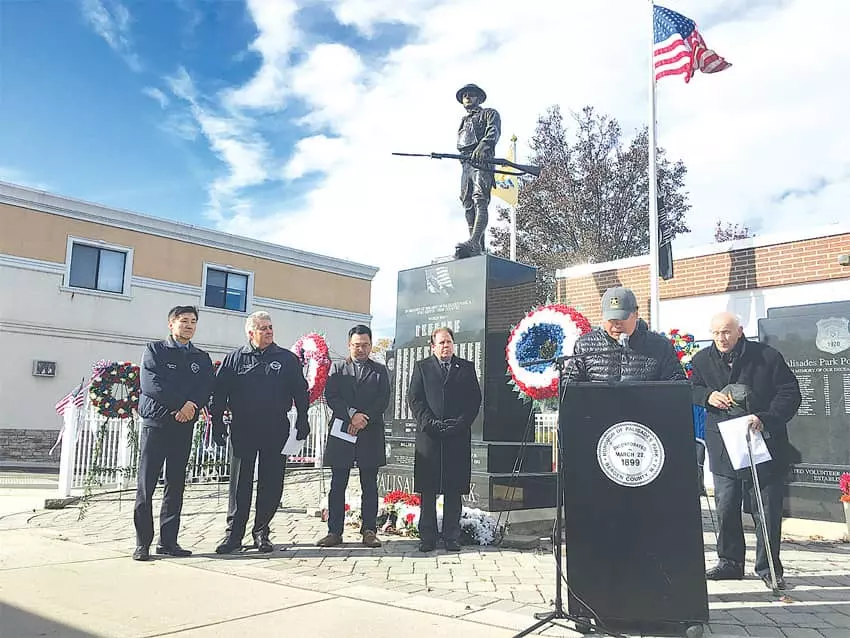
x=679 y=47
x=77 y=397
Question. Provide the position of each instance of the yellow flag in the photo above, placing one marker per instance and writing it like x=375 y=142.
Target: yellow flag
x=507 y=186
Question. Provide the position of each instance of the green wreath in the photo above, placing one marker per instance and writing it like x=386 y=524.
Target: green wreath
x=109 y=378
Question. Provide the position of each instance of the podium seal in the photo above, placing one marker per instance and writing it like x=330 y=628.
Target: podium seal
x=630 y=454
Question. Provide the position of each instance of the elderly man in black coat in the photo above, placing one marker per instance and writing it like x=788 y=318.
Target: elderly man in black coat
x=358 y=392
x=445 y=398
x=735 y=376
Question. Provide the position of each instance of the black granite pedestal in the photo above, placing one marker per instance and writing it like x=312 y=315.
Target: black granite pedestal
x=815 y=341
x=480 y=299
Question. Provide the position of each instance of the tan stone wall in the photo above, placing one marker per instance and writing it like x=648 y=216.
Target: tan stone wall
x=805 y=261
x=38 y=235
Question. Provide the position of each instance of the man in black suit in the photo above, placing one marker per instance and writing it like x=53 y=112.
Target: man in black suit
x=358 y=392
x=445 y=398
x=736 y=377
x=258 y=383
x=176 y=379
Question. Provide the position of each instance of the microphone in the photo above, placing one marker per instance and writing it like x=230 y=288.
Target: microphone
x=624 y=341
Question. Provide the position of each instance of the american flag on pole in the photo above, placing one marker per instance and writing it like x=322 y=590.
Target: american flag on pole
x=679 y=47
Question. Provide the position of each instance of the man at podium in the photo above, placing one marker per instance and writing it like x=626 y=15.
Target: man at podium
x=623 y=348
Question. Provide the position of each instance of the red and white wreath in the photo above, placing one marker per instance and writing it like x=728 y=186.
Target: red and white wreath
x=312 y=351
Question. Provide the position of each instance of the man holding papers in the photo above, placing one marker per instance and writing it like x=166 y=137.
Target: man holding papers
x=749 y=380
x=358 y=392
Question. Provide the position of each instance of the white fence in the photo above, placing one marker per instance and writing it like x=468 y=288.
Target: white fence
x=115 y=464
x=546 y=431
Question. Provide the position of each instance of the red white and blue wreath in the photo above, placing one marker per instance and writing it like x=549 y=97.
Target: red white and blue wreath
x=312 y=351
x=554 y=328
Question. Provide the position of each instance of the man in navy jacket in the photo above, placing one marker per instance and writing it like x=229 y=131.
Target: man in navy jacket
x=176 y=379
x=258 y=383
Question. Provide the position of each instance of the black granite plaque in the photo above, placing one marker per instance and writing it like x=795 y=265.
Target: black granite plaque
x=480 y=299
x=815 y=342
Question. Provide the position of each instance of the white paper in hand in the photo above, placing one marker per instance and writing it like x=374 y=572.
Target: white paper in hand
x=338 y=432
x=734 y=434
x=293 y=445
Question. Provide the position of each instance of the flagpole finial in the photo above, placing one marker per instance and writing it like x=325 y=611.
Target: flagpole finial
x=513 y=138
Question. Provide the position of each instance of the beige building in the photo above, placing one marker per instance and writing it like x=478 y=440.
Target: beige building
x=81 y=282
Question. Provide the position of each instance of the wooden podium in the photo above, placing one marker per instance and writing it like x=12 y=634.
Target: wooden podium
x=633 y=525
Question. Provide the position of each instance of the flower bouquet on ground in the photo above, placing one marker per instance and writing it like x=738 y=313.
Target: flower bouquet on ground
x=844 y=486
x=476 y=527
x=398 y=513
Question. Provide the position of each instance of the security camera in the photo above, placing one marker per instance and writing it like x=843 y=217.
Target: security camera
x=844 y=260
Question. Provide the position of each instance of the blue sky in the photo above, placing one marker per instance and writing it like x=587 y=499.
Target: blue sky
x=276 y=118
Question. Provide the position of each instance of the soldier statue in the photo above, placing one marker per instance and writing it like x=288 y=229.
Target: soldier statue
x=476 y=139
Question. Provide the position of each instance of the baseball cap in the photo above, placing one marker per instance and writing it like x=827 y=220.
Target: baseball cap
x=618 y=303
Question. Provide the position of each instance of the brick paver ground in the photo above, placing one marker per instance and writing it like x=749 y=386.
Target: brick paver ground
x=502 y=587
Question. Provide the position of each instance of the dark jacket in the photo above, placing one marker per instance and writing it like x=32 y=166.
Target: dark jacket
x=649 y=357
x=774 y=398
x=443 y=462
x=170 y=376
x=345 y=396
x=259 y=388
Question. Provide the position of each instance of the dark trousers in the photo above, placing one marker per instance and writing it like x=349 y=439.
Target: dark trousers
x=729 y=494
x=428 y=517
x=270 y=470
x=368 y=498
x=169 y=445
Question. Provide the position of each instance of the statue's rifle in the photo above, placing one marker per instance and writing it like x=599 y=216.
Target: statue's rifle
x=490 y=164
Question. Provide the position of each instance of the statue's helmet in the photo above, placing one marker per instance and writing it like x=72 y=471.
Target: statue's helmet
x=470 y=87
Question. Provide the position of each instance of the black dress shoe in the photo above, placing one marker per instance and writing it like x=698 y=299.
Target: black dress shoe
x=427 y=546
x=172 y=550
x=142 y=552
x=228 y=546
x=452 y=546
x=262 y=542
x=780 y=581
x=725 y=570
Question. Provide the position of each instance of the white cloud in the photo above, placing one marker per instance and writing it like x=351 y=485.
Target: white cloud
x=772 y=124
x=111 y=20
x=277 y=36
x=157 y=95
x=233 y=139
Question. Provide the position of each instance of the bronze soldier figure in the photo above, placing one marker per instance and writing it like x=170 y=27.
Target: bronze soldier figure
x=477 y=137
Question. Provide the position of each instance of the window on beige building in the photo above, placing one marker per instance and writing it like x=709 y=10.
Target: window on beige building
x=227 y=288
x=94 y=265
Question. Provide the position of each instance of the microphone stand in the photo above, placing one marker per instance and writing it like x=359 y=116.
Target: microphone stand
x=558 y=613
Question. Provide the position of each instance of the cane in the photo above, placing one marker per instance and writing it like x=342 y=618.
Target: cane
x=761 y=514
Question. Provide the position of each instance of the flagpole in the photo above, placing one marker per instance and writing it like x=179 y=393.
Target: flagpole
x=653 y=181
x=513 y=208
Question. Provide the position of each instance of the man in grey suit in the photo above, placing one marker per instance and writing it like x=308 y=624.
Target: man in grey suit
x=358 y=392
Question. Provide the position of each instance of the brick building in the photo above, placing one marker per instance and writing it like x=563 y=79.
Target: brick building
x=746 y=277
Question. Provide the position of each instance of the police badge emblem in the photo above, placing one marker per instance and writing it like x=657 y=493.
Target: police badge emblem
x=275 y=365
x=833 y=335
x=195 y=367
